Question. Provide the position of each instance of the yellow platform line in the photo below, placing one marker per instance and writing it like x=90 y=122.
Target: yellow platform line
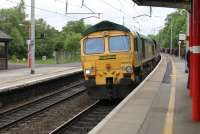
x=168 y=126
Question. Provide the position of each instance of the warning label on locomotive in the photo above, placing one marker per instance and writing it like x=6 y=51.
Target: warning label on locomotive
x=107 y=57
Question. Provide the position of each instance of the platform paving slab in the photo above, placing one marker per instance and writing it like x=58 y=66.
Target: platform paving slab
x=145 y=111
x=12 y=79
x=129 y=116
x=183 y=123
x=182 y=120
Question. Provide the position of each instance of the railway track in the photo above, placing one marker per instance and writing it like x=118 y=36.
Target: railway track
x=83 y=122
x=12 y=116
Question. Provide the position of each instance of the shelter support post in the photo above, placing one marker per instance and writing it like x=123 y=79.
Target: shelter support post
x=190 y=56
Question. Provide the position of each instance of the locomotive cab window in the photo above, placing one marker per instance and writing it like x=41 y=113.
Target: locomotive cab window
x=94 y=45
x=119 y=43
x=153 y=49
x=136 y=44
x=143 y=48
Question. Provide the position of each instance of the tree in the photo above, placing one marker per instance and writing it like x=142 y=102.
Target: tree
x=11 y=18
x=71 y=35
x=74 y=27
x=45 y=45
x=72 y=44
x=13 y=22
x=178 y=22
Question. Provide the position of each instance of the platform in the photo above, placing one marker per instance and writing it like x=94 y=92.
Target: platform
x=15 y=78
x=159 y=105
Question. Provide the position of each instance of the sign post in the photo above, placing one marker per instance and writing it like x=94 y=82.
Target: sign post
x=179 y=49
x=182 y=38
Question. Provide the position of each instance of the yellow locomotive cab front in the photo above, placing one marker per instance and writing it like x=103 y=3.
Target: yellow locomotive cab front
x=115 y=60
x=107 y=58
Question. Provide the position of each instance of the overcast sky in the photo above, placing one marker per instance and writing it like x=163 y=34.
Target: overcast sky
x=53 y=12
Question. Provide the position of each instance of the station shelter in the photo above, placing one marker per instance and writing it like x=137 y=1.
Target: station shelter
x=4 y=42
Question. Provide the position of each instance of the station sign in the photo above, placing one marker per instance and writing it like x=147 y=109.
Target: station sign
x=182 y=37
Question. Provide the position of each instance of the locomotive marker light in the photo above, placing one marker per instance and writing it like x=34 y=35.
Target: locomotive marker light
x=129 y=69
x=88 y=71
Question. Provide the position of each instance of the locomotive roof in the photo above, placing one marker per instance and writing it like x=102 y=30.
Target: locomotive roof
x=105 y=26
x=143 y=36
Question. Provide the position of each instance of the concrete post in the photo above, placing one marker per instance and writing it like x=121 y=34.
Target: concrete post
x=29 y=46
x=171 y=37
x=32 y=36
x=196 y=62
x=179 y=49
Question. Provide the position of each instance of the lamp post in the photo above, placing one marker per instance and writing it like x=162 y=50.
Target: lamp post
x=28 y=42
x=171 y=37
x=179 y=49
x=171 y=34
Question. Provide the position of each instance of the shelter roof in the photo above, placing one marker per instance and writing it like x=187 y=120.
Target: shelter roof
x=185 y=4
x=4 y=36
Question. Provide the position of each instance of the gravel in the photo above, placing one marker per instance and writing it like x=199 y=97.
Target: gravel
x=46 y=121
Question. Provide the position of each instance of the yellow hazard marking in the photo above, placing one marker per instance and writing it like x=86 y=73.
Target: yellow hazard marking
x=168 y=126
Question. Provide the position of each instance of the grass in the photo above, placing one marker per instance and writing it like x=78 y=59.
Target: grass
x=47 y=61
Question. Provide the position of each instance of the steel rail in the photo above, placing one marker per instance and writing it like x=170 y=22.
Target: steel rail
x=12 y=116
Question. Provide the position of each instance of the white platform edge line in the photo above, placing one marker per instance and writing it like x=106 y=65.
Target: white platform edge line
x=96 y=129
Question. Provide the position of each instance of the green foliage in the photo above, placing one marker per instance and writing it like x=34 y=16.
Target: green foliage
x=74 y=27
x=9 y=23
x=71 y=35
x=59 y=46
x=18 y=45
x=45 y=46
x=178 y=22
x=72 y=43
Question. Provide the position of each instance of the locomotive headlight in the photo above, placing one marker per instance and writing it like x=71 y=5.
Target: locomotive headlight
x=88 y=71
x=129 y=69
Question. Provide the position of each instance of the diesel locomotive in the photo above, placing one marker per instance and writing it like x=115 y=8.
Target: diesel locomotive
x=114 y=59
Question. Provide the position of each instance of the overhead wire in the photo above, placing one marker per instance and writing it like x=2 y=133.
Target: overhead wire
x=121 y=4
x=108 y=4
x=91 y=13
x=83 y=5
x=115 y=8
x=65 y=15
x=44 y=10
x=64 y=2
